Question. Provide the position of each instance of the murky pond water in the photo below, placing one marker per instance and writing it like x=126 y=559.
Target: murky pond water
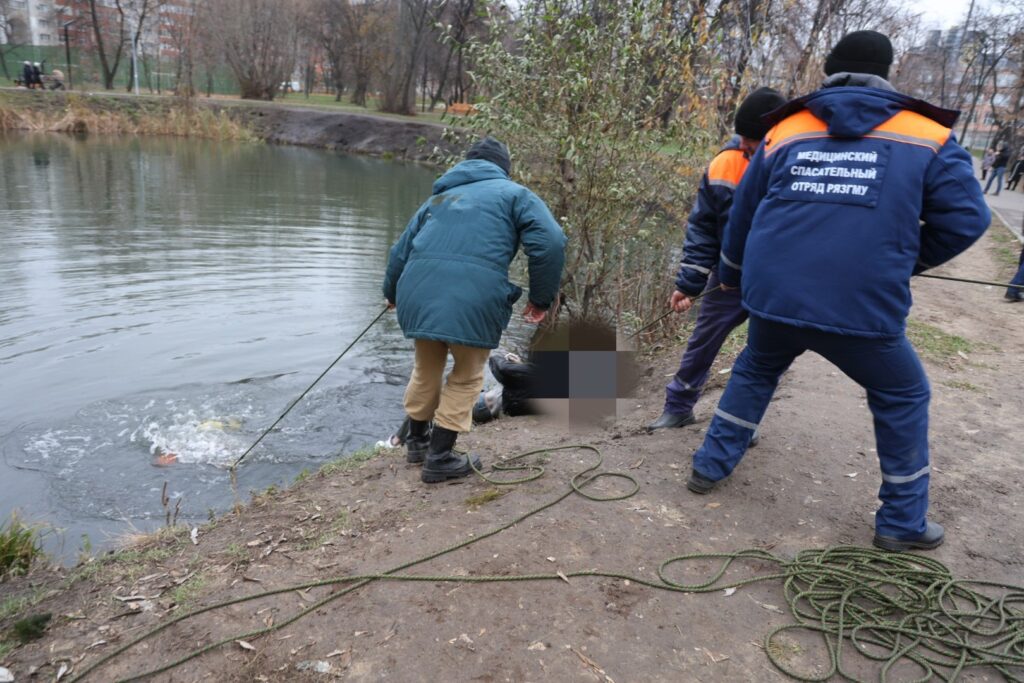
x=172 y=297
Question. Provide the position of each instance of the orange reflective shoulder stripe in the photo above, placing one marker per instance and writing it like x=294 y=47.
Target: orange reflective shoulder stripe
x=800 y=126
x=727 y=168
x=906 y=127
x=913 y=129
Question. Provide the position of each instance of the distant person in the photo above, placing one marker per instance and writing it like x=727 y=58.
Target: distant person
x=998 y=169
x=1016 y=294
x=986 y=161
x=448 y=276
x=57 y=77
x=28 y=76
x=1016 y=173
x=856 y=188
x=720 y=312
x=37 y=75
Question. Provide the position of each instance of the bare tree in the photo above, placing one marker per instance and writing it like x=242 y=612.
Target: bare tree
x=139 y=13
x=258 y=42
x=361 y=27
x=412 y=20
x=13 y=32
x=109 y=32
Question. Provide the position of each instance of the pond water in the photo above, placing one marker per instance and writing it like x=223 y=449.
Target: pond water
x=163 y=300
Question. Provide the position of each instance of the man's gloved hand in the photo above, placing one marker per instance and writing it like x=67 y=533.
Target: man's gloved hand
x=679 y=302
x=532 y=314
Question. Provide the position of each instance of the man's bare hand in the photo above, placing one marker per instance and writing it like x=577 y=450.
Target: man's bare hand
x=680 y=303
x=391 y=306
x=532 y=314
x=727 y=288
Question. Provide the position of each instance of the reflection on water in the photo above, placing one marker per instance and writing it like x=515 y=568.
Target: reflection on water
x=152 y=288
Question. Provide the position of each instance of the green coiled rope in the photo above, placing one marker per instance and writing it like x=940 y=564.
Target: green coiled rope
x=888 y=607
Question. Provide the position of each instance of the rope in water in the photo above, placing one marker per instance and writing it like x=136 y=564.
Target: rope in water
x=891 y=608
x=301 y=396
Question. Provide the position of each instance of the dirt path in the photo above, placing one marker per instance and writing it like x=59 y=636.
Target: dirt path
x=794 y=491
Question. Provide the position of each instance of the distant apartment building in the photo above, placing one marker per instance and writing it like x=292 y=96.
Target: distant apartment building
x=29 y=22
x=958 y=69
x=159 y=23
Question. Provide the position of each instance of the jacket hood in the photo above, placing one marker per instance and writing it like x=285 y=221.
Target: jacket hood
x=469 y=171
x=852 y=110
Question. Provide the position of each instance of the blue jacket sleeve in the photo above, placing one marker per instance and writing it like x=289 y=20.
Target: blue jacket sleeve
x=702 y=245
x=748 y=195
x=954 y=213
x=544 y=244
x=400 y=253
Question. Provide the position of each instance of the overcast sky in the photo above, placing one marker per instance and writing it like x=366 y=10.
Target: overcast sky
x=945 y=13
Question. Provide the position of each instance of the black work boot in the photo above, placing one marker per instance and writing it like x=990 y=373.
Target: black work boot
x=418 y=442
x=672 y=421
x=698 y=483
x=442 y=462
x=932 y=537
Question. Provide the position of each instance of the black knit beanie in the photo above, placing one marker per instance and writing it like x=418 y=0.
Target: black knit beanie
x=755 y=105
x=861 y=52
x=491 y=150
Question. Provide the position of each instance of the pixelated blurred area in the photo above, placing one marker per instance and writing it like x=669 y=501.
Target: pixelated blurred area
x=581 y=370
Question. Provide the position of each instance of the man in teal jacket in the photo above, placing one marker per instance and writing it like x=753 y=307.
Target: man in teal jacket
x=448 y=276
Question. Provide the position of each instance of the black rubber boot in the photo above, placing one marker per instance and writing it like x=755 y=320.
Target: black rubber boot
x=932 y=537
x=442 y=462
x=698 y=483
x=671 y=421
x=418 y=442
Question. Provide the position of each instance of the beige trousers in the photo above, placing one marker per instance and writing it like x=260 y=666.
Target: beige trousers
x=450 y=406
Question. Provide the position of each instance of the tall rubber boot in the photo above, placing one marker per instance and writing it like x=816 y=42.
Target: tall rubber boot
x=442 y=463
x=418 y=442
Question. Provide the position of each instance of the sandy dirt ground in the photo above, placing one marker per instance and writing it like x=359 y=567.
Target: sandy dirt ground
x=811 y=483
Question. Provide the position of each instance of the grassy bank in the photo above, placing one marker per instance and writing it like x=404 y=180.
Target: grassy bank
x=73 y=113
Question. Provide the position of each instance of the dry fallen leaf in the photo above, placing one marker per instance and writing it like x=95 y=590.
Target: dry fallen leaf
x=245 y=645
x=563 y=577
x=712 y=506
x=729 y=591
x=537 y=647
x=63 y=671
x=194 y=535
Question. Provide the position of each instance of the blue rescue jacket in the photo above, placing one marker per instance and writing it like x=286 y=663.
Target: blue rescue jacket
x=448 y=272
x=706 y=224
x=854 y=190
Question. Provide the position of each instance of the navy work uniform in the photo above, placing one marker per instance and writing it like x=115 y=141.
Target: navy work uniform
x=721 y=311
x=853 y=191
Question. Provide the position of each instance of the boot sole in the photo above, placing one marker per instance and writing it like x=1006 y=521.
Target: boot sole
x=651 y=428
x=698 y=487
x=429 y=476
x=897 y=546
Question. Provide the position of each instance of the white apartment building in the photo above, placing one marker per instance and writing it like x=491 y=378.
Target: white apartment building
x=29 y=22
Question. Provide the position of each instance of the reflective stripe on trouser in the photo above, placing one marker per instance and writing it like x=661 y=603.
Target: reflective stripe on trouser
x=450 y=406
x=720 y=313
x=898 y=395
x=1018 y=279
